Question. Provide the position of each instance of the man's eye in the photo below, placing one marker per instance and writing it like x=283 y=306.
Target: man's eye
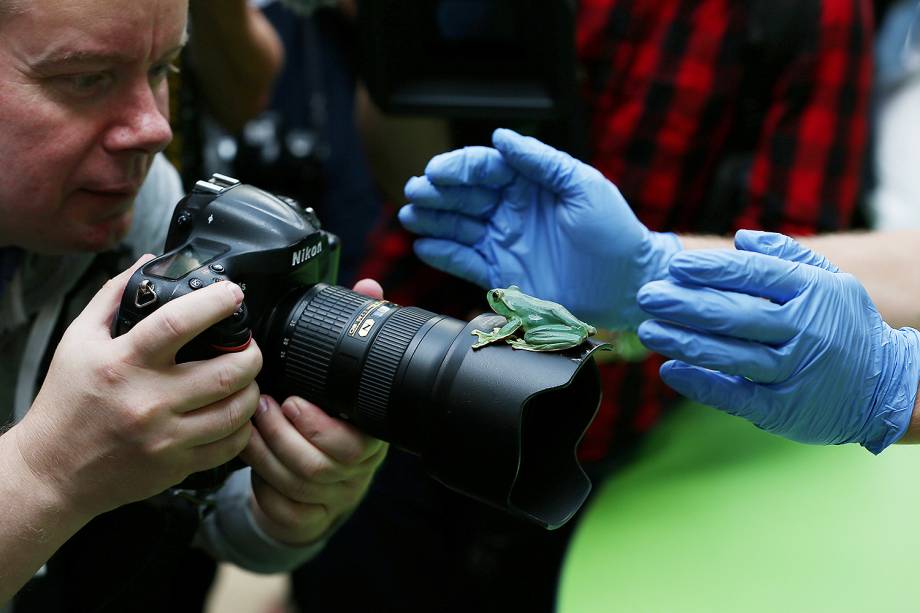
x=84 y=84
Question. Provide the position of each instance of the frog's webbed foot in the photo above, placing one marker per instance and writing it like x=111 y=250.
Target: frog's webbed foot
x=497 y=334
x=486 y=338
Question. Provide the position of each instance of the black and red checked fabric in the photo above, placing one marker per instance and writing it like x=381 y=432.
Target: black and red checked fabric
x=663 y=85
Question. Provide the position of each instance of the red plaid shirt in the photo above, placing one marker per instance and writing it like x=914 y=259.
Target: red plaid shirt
x=664 y=89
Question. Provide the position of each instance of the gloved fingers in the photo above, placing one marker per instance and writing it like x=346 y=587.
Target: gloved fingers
x=470 y=166
x=733 y=395
x=755 y=361
x=717 y=311
x=742 y=271
x=469 y=200
x=781 y=246
x=453 y=258
x=553 y=169
x=441 y=224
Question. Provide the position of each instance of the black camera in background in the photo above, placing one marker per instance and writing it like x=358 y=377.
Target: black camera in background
x=489 y=59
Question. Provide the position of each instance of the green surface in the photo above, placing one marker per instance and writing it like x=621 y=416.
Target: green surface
x=719 y=516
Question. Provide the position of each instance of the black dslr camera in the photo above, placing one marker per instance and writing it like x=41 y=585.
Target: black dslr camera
x=496 y=424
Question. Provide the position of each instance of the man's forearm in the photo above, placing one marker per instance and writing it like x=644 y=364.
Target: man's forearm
x=237 y=55
x=397 y=146
x=912 y=436
x=886 y=263
x=34 y=521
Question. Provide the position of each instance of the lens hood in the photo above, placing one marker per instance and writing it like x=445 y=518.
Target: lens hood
x=503 y=424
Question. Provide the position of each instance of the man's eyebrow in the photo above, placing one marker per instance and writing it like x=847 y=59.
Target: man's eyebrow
x=71 y=58
x=63 y=59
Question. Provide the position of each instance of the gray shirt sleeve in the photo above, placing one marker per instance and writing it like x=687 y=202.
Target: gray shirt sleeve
x=230 y=533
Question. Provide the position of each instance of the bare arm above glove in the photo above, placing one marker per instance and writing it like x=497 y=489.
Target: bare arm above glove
x=789 y=343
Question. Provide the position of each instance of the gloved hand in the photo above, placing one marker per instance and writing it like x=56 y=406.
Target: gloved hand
x=526 y=214
x=814 y=362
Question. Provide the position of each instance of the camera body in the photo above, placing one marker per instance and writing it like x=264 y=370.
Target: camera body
x=485 y=422
x=224 y=230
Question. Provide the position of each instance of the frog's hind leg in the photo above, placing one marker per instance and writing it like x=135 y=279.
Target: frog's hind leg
x=496 y=334
x=554 y=337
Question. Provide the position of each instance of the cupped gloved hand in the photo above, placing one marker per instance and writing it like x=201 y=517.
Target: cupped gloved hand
x=814 y=362
x=526 y=214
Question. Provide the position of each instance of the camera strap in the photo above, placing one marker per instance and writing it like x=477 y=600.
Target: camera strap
x=40 y=291
x=32 y=357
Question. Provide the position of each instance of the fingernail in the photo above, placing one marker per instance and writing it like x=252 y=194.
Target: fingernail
x=290 y=410
x=237 y=293
x=263 y=405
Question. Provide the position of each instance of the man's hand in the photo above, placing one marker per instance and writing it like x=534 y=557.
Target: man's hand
x=526 y=214
x=309 y=470
x=775 y=334
x=117 y=420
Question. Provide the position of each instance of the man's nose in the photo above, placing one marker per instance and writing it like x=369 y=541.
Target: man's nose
x=142 y=125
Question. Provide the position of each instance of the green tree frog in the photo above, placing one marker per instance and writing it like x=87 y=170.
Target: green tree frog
x=546 y=326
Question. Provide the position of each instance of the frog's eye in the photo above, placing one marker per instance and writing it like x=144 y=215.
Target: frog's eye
x=496 y=294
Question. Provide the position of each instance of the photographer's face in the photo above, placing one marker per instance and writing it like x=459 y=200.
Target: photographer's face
x=83 y=110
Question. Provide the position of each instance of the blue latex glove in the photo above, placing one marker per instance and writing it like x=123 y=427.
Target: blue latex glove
x=814 y=362
x=528 y=215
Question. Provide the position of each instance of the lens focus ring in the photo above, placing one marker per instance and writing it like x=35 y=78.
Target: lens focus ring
x=314 y=340
x=383 y=360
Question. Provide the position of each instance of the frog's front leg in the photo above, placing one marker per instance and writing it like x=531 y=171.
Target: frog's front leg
x=551 y=337
x=496 y=334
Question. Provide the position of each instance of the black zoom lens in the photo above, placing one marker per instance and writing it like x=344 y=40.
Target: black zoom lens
x=498 y=424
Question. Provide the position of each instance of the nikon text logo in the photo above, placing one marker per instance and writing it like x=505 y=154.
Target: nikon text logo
x=307 y=253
